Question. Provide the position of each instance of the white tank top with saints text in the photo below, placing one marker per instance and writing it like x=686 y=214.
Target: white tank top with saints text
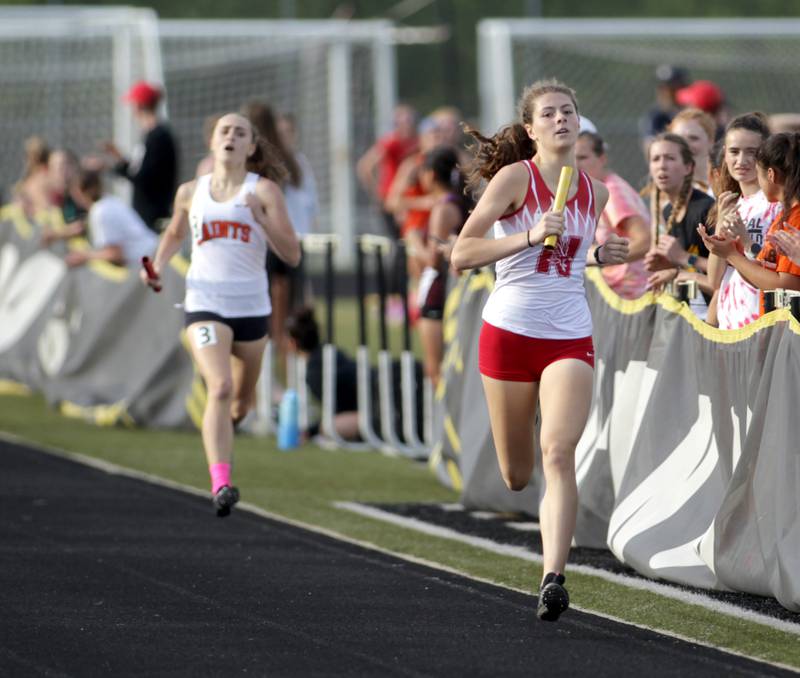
x=539 y=292
x=227 y=275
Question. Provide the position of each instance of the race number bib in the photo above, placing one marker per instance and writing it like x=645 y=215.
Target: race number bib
x=205 y=335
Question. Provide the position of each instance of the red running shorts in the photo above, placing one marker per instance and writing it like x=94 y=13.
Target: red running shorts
x=508 y=356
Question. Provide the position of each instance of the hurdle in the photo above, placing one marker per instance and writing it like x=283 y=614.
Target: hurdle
x=379 y=246
x=329 y=438
x=408 y=376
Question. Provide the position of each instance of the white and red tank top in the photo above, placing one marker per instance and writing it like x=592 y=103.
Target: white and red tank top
x=227 y=275
x=738 y=303
x=539 y=292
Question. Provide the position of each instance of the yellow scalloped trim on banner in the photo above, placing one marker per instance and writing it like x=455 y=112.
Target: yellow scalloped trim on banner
x=455 y=475
x=452 y=434
x=13 y=388
x=16 y=216
x=102 y=415
x=435 y=456
x=669 y=303
x=180 y=264
x=195 y=402
x=481 y=281
x=450 y=316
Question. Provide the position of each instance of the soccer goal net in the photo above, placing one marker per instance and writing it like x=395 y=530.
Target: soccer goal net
x=64 y=71
x=612 y=63
x=336 y=78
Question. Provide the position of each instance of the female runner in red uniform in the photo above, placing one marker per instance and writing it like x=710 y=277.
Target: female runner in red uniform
x=536 y=340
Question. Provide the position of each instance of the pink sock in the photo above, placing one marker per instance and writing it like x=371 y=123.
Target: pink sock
x=220 y=475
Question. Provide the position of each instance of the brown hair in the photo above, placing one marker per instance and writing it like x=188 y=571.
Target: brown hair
x=264 y=122
x=511 y=143
x=90 y=182
x=596 y=142
x=781 y=152
x=264 y=161
x=678 y=209
x=751 y=122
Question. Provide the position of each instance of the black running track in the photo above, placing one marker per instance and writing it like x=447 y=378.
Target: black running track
x=104 y=575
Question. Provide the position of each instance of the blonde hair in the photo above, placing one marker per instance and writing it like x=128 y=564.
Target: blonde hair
x=700 y=117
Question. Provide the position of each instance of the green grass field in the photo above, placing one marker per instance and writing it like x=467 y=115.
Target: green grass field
x=303 y=484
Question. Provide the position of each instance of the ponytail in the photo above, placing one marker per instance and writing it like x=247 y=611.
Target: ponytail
x=679 y=208
x=511 y=144
x=266 y=163
x=265 y=125
x=443 y=161
x=781 y=152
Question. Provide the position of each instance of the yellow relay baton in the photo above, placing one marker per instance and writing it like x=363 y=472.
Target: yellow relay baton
x=561 y=199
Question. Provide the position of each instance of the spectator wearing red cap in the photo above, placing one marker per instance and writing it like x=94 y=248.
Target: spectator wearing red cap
x=708 y=97
x=153 y=166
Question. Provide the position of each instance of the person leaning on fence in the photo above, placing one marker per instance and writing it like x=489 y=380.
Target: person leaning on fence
x=304 y=339
x=699 y=130
x=233 y=215
x=442 y=180
x=116 y=232
x=153 y=166
x=678 y=253
x=536 y=341
x=778 y=170
x=742 y=212
x=625 y=214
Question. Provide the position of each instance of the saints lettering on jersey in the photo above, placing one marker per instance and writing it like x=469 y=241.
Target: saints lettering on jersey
x=232 y=230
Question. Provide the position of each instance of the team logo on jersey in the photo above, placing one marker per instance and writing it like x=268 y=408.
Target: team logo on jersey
x=562 y=256
x=233 y=230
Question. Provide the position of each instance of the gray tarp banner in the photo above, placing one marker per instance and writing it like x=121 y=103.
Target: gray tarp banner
x=689 y=468
x=92 y=339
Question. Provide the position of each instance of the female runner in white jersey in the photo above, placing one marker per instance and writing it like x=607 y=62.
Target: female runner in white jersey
x=536 y=340
x=234 y=216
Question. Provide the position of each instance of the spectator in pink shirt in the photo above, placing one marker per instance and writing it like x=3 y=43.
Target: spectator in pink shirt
x=625 y=214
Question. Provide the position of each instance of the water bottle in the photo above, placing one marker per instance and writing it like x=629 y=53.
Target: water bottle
x=288 y=429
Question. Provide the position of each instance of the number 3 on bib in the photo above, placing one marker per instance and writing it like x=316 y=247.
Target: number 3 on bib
x=205 y=335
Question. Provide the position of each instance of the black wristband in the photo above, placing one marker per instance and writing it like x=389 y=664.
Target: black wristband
x=597 y=256
x=528 y=236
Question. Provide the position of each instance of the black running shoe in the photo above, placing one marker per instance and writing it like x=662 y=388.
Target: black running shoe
x=553 y=597
x=224 y=500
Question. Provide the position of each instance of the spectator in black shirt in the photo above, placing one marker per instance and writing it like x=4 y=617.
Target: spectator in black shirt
x=304 y=338
x=677 y=209
x=669 y=80
x=153 y=169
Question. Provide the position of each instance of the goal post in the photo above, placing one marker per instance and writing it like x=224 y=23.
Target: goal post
x=611 y=63
x=64 y=72
x=336 y=77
